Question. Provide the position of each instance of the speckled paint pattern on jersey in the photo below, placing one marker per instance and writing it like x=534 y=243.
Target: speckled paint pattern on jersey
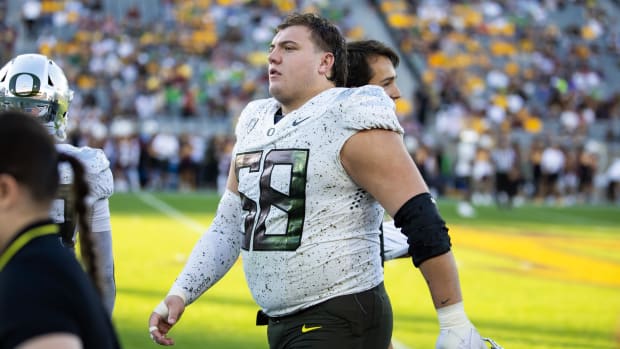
x=216 y=251
x=311 y=233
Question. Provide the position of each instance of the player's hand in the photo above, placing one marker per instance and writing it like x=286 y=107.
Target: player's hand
x=464 y=336
x=165 y=315
x=457 y=332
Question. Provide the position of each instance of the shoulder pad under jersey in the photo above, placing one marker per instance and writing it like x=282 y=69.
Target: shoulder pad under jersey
x=367 y=107
x=94 y=160
x=97 y=167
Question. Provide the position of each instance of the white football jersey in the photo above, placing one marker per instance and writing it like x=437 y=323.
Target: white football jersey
x=311 y=233
x=98 y=177
x=394 y=242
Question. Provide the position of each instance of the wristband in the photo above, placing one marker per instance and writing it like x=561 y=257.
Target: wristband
x=452 y=316
x=179 y=292
x=162 y=310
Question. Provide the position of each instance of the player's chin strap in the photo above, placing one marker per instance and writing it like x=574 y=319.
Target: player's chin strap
x=493 y=343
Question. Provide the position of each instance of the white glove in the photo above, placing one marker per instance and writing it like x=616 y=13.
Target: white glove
x=455 y=329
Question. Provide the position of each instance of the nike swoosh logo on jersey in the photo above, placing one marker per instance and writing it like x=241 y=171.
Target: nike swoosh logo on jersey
x=305 y=329
x=297 y=122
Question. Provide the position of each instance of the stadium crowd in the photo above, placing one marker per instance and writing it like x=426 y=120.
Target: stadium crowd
x=520 y=94
x=512 y=102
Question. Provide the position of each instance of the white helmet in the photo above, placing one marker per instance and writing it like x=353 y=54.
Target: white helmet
x=34 y=84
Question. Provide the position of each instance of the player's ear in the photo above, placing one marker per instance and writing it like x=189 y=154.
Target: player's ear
x=9 y=190
x=327 y=62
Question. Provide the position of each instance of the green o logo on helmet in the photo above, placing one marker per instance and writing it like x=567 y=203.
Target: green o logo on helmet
x=24 y=84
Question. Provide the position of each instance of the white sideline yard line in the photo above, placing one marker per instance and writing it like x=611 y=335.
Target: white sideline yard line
x=170 y=211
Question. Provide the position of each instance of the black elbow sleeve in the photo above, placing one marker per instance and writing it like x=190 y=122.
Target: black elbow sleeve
x=426 y=231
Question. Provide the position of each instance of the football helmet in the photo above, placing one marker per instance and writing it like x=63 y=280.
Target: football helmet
x=34 y=84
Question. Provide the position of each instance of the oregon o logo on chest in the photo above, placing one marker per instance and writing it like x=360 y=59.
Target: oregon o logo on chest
x=271 y=131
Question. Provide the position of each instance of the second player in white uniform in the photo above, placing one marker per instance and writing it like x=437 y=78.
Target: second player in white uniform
x=34 y=84
x=101 y=185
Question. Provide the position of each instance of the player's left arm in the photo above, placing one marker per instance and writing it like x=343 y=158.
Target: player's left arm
x=102 y=243
x=101 y=184
x=378 y=161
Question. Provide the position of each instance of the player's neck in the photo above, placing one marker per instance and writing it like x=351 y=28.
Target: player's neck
x=278 y=116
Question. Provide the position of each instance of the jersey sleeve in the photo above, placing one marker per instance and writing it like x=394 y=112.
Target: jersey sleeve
x=97 y=167
x=368 y=107
x=101 y=184
x=243 y=124
x=394 y=242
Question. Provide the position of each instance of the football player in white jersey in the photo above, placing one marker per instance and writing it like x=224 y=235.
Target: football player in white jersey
x=36 y=85
x=313 y=169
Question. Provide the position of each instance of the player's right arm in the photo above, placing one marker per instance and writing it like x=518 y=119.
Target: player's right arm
x=212 y=257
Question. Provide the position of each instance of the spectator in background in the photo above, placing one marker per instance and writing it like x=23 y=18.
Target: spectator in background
x=506 y=162
x=552 y=163
x=190 y=157
x=586 y=170
x=31 y=15
x=482 y=175
x=613 y=181
x=8 y=36
x=463 y=170
x=224 y=155
x=46 y=299
x=164 y=152
x=569 y=180
x=534 y=160
x=126 y=149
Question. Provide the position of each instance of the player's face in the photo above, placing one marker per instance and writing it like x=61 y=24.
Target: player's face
x=384 y=75
x=295 y=66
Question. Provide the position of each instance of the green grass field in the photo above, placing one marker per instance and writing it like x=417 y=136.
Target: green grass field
x=534 y=277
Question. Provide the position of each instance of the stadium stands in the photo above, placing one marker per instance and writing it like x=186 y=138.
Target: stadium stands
x=533 y=72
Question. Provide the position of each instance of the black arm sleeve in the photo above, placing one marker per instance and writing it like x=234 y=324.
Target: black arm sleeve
x=426 y=231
